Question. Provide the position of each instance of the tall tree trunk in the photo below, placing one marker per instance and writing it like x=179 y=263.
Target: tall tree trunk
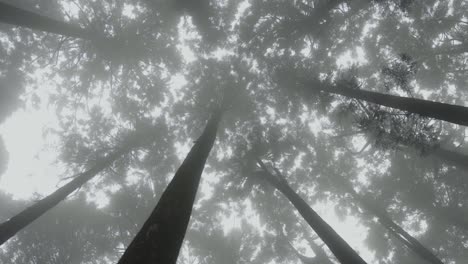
x=394 y=229
x=451 y=113
x=28 y=215
x=160 y=238
x=343 y=252
x=13 y=15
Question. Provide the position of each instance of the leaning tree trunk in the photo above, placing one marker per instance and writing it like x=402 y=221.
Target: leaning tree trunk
x=160 y=238
x=27 y=216
x=451 y=113
x=13 y=15
x=338 y=246
x=403 y=236
x=394 y=229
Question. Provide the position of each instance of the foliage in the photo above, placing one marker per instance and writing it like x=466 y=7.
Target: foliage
x=171 y=62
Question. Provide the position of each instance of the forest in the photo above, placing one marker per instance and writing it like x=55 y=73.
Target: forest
x=233 y=131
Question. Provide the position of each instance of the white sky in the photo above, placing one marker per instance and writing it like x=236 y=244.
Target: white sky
x=30 y=167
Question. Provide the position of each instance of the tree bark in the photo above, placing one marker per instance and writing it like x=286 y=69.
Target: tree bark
x=451 y=113
x=9 y=228
x=13 y=15
x=338 y=246
x=160 y=238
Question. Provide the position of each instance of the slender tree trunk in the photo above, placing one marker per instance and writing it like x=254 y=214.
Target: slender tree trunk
x=13 y=15
x=451 y=113
x=160 y=238
x=411 y=242
x=27 y=216
x=343 y=252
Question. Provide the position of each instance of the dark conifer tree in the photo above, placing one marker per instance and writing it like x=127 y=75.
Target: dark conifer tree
x=160 y=238
x=451 y=113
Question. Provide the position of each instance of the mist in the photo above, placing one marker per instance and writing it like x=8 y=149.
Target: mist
x=229 y=131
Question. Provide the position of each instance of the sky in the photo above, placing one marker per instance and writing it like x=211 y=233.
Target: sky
x=31 y=167
x=33 y=170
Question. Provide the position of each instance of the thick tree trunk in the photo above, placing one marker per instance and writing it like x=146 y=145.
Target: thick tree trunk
x=27 y=216
x=451 y=113
x=411 y=242
x=13 y=15
x=160 y=238
x=343 y=252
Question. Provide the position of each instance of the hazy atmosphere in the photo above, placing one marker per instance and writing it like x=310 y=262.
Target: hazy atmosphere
x=233 y=131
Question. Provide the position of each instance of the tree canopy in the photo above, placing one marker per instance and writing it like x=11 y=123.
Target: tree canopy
x=354 y=112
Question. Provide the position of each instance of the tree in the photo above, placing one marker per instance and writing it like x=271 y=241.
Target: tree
x=161 y=61
x=160 y=238
x=76 y=232
x=343 y=252
x=451 y=113
x=389 y=224
x=19 y=17
x=9 y=228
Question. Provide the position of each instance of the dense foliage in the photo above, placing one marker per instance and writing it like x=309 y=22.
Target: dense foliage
x=163 y=66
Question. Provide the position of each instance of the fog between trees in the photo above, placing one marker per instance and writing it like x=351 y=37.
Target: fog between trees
x=223 y=131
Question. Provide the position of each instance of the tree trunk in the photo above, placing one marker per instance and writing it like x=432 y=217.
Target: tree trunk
x=13 y=15
x=343 y=252
x=409 y=241
x=27 y=216
x=160 y=238
x=451 y=113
